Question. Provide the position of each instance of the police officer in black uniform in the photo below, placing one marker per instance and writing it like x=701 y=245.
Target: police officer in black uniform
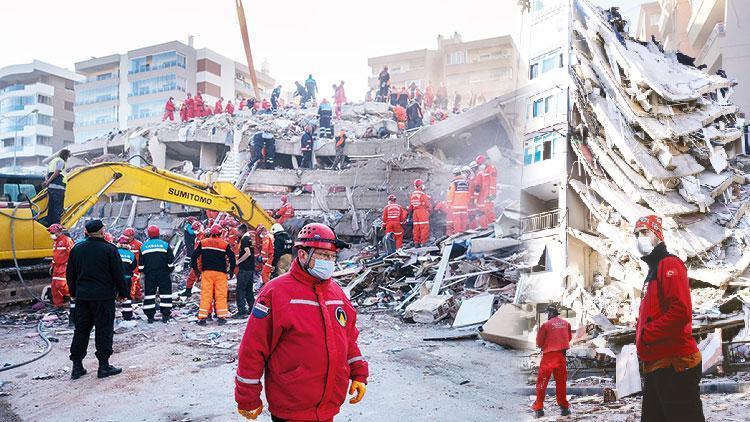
x=95 y=278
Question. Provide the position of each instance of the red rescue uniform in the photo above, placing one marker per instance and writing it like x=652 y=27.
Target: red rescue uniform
x=458 y=199
x=285 y=213
x=420 y=205
x=60 y=253
x=554 y=339
x=302 y=339
x=393 y=217
x=169 y=109
x=218 y=107
x=230 y=108
x=266 y=256
x=135 y=285
x=487 y=192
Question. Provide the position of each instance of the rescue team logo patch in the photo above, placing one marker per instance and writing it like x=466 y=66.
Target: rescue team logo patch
x=341 y=316
x=261 y=308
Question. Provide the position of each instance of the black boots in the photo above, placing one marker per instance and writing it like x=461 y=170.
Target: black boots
x=78 y=370
x=107 y=370
x=151 y=319
x=165 y=318
x=564 y=411
x=539 y=414
x=222 y=321
x=202 y=322
x=188 y=292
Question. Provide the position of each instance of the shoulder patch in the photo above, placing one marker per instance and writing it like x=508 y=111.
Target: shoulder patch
x=261 y=308
x=341 y=316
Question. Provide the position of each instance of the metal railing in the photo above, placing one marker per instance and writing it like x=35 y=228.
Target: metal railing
x=542 y=221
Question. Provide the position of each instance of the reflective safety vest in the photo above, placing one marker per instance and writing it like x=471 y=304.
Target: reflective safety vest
x=61 y=180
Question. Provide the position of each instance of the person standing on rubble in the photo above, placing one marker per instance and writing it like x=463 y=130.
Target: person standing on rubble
x=414 y=115
x=136 y=290
x=325 y=114
x=183 y=112
x=265 y=258
x=56 y=182
x=275 y=94
x=219 y=107
x=214 y=260
x=286 y=212
x=671 y=363
x=394 y=216
x=193 y=275
x=189 y=103
x=473 y=180
x=282 y=250
x=306 y=146
x=229 y=108
x=384 y=80
x=458 y=200
x=312 y=87
x=340 y=160
x=429 y=96
x=302 y=337
x=339 y=98
x=487 y=183
x=419 y=208
x=156 y=265
x=61 y=247
x=169 y=109
x=129 y=264
x=95 y=280
x=553 y=338
x=245 y=275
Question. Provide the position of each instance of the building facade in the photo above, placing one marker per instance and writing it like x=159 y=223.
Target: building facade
x=36 y=114
x=127 y=90
x=487 y=67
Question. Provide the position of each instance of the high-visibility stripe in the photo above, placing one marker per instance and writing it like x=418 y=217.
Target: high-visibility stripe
x=334 y=302
x=247 y=380
x=355 y=359
x=153 y=250
x=170 y=265
x=59 y=278
x=149 y=306
x=165 y=305
x=416 y=223
x=147 y=297
x=213 y=249
x=61 y=248
x=304 y=302
x=129 y=261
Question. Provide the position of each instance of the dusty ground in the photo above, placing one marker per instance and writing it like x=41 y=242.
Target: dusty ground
x=176 y=373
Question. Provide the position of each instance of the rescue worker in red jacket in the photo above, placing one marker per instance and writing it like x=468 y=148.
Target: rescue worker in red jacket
x=215 y=261
x=670 y=361
x=394 y=216
x=229 y=108
x=61 y=247
x=169 y=109
x=553 y=338
x=190 y=104
x=265 y=258
x=286 y=211
x=419 y=207
x=487 y=192
x=302 y=339
x=136 y=290
x=218 y=107
x=458 y=199
x=200 y=105
x=183 y=112
x=473 y=180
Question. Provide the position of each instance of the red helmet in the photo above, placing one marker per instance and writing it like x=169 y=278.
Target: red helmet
x=260 y=228
x=284 y=198
x=55 y=229
x=418 y=183
x=225 y=223
x=215 y=230
x=196 y=225
x=129 y=232
x=318 y=236
x=391 y=197
x=108 y=237
x=480 y=159
x=123 y=240
x=152 y=231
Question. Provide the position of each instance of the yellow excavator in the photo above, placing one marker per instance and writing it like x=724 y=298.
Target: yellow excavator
x=25 y=242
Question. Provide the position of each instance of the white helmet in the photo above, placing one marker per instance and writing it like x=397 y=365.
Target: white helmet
x=465 y=169
x=276 y=227
x=457 y=170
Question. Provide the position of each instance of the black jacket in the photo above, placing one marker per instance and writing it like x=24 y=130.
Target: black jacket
x=94 y=271
x=282 y=244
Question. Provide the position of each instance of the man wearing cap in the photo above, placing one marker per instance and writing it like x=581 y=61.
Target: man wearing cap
x=156 y=265
x=95 y=280
x=302 y=339
x=553 y=338
x=670 y=361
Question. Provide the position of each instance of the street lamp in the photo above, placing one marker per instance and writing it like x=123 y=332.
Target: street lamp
x=15 y=136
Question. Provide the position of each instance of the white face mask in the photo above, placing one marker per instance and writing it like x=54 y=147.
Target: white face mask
x=53 y=236
x=323 y=269
x=644 y=245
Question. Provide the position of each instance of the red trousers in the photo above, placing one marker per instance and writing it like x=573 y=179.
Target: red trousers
x=487 y=213
x=59 y=286
x=553 y=364
x=168 y=115
x=265 y=273
x=191 y=279
x=421 y=227
x=398 y=232
x=135 y=287
x=460 y=216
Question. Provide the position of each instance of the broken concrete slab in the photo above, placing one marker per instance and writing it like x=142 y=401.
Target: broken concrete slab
x=429 y=309
x=475 y=310
x=511 y=327
x=628 y=372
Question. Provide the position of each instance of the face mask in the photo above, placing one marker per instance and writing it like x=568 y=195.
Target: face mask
x=53 y=236
x=643 y=243
x=323 y=269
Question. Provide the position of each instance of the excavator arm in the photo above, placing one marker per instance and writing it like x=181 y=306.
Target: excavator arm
x=86 y=185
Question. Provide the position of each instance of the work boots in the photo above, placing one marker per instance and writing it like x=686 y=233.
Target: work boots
x=565 y=411
x=78 y=370
x=188 y=292
x=107 y=370
x=538 y=414
x=151 y=320
x=165 y=318
x=222 y=321
x=202 y=322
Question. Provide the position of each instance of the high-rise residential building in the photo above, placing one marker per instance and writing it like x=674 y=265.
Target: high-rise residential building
x=487 y=67
x=131 y=89
x=36 y=114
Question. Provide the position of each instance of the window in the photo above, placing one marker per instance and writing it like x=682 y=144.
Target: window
x=502 y=74
x=97 y=95
x=146 y=110
x=457 y=57
x=165 y=83
x=540 y=148
x=67 y=142
x=545 y=63
x=549 y=104
x=104 y=76
x=15 y=103
x=539 y=5
x=96 y=117
x=43 y=99
x=537 y=108
x=209 y=89
x=206 y=65
x=534 y=71
x=157 y=61
x=68 y=125
x=69 y=85
x=69 y=105
x=44 y=140
x=44 y=120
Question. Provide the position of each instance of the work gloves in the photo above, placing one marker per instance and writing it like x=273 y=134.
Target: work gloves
x=358 y=388
x=251 y=414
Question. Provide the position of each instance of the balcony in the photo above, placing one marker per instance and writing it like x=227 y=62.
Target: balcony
x=542 y=221
x=704 y=53
x=706 y=14
x=25 y=151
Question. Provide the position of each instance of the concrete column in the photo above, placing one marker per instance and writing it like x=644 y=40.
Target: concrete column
x=158 y=152
x=208 y=156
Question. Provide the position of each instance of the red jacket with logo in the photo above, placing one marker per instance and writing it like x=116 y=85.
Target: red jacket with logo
x=665 y=318
x=302 y=336
x=394 y=213
x=554 y=335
